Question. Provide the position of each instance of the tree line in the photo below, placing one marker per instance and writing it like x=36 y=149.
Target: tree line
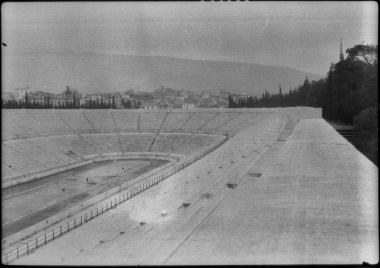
x=349 y=87
x=348 y=94
x=306 y=94
x=74 y=103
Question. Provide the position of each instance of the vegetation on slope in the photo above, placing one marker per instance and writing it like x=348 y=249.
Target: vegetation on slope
x=348 y=94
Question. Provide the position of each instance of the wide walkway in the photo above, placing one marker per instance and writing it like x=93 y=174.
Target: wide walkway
x=316 y=202
x=310 y=198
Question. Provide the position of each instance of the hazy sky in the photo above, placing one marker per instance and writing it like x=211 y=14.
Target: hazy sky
x=300 y=35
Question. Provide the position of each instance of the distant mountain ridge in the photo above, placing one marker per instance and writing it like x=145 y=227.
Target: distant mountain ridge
x=91 y=72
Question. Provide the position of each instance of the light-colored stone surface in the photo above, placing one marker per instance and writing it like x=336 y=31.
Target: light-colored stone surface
x=316 y=202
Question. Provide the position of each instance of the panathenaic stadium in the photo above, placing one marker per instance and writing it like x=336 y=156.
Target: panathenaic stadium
x=197 y=186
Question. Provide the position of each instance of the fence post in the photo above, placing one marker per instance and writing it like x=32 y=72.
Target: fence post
x=75 y=223
x=60 y=227
x=53 y=234
x=27 y=248
x=36 y=242
x=45 y=238
x=68 y=227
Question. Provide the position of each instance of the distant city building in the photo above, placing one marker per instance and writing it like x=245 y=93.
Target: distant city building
x=188 y=106
x=237 y=97
x=177 y=103
x=118 y=104
x=33 y=96
x=126 y=97
x=162 y=98
x=7 y=96
x=223 y=94
x=149 y=106
x=21 y=93
x=190 y=102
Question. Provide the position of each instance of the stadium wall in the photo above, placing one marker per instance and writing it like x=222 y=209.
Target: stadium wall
x=176 y=164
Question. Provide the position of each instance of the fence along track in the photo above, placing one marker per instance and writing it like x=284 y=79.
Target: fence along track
x=33 y=244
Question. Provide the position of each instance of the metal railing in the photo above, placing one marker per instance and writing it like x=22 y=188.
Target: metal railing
x=33 y=244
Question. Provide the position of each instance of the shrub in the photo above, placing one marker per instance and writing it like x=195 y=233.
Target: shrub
x=366 y=133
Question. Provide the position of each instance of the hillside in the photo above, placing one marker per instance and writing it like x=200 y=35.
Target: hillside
x=101 y=72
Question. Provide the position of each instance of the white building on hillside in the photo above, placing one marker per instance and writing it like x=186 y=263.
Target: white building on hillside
x=21 y=93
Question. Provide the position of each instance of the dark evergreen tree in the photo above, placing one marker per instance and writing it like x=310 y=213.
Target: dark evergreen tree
x=113 y=102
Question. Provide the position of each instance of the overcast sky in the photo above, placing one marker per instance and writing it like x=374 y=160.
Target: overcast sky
x=299 y=35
